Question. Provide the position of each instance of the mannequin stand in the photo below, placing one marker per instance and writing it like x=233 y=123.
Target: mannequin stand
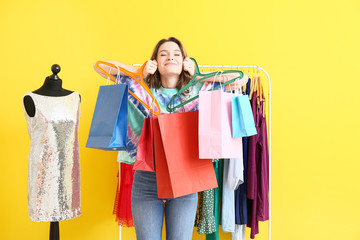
x=54 y=231
x=51 y=87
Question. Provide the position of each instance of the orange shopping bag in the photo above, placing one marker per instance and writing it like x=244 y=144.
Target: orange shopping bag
x=179 y=171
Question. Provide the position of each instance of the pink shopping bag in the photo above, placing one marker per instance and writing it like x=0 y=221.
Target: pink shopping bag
x=215 y=126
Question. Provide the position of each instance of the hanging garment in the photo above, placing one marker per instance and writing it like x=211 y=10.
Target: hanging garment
x=235 y=173
x=251 y=175
x=227 y=202
x=239 y=233
x=122 y=206
x=53 y=162
x=258 y=168
x=262 y=211
x=241 y=209
x=205 y=220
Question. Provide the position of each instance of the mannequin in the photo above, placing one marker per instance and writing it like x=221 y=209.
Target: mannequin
x=52 y=87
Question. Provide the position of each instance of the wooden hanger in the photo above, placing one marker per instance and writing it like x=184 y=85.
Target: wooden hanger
x=262 y=99
x=253 y=86
x=258 y=90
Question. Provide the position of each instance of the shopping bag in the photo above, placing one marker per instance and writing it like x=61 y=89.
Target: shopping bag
x=215 y=126
x=145 y=151
x=109 y=124
x=179 y=171
x=243 y=124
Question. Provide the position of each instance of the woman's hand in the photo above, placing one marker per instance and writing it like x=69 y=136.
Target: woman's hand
x=189 y=66
x=237 y=84
x=150 y=68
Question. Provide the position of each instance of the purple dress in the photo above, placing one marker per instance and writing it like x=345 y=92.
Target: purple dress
x=258 y=171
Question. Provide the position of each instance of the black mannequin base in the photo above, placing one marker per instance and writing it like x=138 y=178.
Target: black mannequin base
x=54 y=231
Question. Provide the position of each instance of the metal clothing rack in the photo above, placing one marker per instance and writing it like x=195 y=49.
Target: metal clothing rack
x=269 y=125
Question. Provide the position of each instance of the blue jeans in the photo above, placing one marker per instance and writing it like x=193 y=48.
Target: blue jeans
x=148 y=211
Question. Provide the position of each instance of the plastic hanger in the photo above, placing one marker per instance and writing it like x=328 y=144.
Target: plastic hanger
x=171 y=107
x=133 y=76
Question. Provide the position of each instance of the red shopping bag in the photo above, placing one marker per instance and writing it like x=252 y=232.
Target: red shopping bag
x=145 y=152
x=179 y=171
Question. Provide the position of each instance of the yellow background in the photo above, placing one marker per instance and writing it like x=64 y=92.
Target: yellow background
x=310 y=49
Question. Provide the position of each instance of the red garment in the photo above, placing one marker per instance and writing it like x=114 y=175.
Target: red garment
x=122 y=205
x=258 y=171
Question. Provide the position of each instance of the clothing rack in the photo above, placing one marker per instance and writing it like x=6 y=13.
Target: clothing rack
x=268 y=127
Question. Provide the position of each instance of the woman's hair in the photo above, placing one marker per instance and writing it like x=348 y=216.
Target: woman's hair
x=154 y=79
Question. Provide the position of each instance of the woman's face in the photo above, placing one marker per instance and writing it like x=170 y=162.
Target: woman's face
x=169 y=59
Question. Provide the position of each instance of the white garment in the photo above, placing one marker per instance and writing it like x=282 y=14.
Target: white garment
x=236 y=171
x=228 y=202
x=239 y=233
x=53 y=162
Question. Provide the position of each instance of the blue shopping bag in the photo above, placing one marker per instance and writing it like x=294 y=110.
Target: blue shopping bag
x=243 y=124
x=109 y=124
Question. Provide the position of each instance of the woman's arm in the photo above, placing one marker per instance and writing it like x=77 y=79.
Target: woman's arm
x=226 y=77
x=136 y=88
x=114 y=71
x=189 y=66
x=149 y=68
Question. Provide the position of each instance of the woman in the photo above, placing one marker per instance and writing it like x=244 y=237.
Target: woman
x=168 y=71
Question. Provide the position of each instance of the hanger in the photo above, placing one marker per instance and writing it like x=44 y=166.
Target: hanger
x=254 y=84
x=258 y=90
x=262 y=93
x=258 y=86
x=261 y=96
x=171 y=107
x=263 y=100
x=133 y=76
x=243 y=88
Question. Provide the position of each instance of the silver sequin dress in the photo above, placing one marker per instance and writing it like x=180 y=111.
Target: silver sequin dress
x=53 y=162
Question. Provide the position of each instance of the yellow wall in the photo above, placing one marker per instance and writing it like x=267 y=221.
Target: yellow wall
x=310 y=49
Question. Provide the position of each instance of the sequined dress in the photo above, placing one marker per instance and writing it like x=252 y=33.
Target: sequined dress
x=53 y=161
